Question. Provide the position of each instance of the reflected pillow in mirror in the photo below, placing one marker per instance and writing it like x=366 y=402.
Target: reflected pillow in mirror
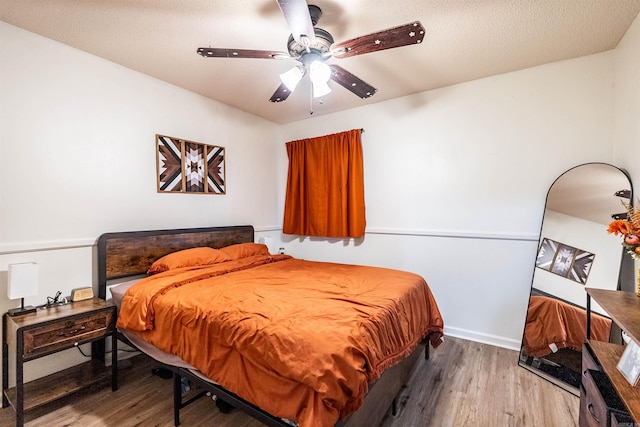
x=244 y=250
x=188 y=258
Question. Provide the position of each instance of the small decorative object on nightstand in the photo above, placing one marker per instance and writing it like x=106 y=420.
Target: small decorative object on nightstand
x=81 y=294
x=48 y=331
x=629 y=363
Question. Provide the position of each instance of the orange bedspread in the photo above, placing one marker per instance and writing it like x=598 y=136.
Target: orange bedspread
x=550 y=321
x=300 y=339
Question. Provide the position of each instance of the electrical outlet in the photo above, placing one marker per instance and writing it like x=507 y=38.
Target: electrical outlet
x=281 y=250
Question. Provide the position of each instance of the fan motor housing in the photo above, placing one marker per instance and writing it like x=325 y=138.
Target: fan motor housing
x=322 y=44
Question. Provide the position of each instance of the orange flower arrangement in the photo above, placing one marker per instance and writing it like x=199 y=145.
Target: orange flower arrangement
x=630 y=229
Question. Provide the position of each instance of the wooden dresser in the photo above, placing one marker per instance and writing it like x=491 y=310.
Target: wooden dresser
x=606 y=397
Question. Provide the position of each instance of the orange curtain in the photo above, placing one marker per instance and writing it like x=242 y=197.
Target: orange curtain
x=325 y=186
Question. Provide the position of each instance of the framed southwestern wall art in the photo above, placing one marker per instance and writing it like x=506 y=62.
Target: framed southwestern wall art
x=189 y=167
x=564 y=260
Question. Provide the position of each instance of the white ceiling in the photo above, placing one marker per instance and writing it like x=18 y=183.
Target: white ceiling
x=465 y=40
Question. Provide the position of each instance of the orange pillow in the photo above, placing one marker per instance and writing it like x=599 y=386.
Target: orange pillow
x=188 y=258
x=244 y=250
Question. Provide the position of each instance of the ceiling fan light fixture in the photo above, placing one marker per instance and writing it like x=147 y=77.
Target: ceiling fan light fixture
x=320 y=89
x=319 y=73
x=292 y=77
x=311 y=46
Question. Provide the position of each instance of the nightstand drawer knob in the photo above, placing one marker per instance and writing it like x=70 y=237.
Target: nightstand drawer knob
x=73 y=331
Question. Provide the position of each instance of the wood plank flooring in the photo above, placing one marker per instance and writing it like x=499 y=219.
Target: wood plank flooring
x=463 y=384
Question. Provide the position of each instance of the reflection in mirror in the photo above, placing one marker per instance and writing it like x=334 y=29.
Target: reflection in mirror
x=575 y=252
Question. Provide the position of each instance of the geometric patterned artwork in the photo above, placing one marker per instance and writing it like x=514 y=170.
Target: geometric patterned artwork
x=546 y=254
x=564 y=260
x=581 y=267
x=189 y=167
x=215 y=169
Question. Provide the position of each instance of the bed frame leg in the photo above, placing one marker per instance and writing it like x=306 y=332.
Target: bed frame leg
x=177 y=398
x=426 y=351
x=394 y=407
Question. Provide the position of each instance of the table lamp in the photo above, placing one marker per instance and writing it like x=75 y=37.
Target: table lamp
x=23 y=282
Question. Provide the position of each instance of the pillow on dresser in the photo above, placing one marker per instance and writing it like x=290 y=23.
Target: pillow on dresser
x=244 y=250
x=188 y=258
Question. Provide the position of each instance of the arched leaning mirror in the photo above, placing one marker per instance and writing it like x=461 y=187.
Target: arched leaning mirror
x=575 y=252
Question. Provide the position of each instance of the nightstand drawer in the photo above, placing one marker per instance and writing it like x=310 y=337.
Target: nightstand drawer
x=66 y=333
x=592 y=402
x=598 y=399
x=588 y=361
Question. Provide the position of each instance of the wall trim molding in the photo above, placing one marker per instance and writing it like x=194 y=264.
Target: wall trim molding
x=466 y=334
x=456 y=234
x=53 y=245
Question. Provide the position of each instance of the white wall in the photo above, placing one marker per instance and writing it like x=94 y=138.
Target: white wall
x=78 y=136
x=627 y=102
x=626 y=108
x=77 y=159
x=456 y=180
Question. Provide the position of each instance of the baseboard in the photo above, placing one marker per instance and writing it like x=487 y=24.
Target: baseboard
x=495 y=340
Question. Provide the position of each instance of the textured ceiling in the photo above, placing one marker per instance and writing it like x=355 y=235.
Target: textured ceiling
x=465 y=40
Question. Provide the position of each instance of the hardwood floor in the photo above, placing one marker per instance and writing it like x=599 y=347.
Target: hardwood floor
x=473 y=384
x=463 y=384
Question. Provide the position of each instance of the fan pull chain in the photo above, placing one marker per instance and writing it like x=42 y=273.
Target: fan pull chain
x=311 y=99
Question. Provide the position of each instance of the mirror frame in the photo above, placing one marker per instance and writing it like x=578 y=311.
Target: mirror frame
x=625 y=279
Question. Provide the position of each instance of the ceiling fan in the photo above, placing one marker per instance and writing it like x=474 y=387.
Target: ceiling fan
x=312 y=46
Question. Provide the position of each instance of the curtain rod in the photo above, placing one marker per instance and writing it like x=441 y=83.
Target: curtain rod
x=361 y=130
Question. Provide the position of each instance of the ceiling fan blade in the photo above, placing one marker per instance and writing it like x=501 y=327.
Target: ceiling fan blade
x=210 y=52
x=296 y=12
x=402 y=35
x=354 y=84
x=281 y=94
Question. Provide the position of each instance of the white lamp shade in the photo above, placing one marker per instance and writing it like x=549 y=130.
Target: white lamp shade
x=319 y=73
x=23 y=280
x=292 y=77
x=320 y=89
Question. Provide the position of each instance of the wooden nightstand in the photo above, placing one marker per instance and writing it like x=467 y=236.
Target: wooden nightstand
x=48 y=331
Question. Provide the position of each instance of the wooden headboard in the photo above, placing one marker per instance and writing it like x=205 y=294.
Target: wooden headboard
x=131 y=253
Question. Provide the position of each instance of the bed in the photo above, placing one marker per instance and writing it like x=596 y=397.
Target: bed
x=553 y=324
x=249 y=329
x=554 y=333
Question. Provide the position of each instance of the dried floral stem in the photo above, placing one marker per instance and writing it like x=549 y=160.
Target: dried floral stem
x=633 y=216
